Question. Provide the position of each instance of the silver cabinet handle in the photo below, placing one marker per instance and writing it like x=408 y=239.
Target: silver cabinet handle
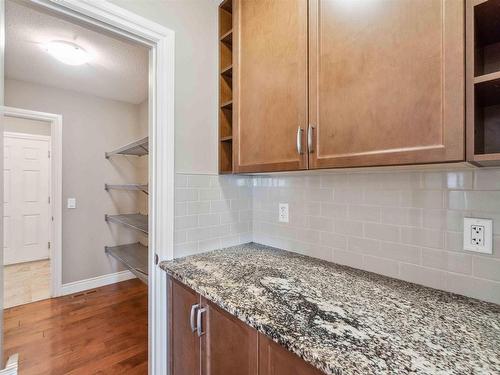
x=310 y=144
x=299 y=141
x=191 y=317
x=199 y=328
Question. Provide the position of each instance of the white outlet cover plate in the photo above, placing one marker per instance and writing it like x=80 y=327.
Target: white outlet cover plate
x=487 y=247
x=283 y=214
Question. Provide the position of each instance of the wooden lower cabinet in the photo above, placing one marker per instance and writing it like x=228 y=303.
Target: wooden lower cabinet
x=184 y=343
x=229 y=346
x=221 y=344
x=275 y=360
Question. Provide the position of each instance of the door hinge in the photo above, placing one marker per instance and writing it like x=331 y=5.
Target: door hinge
x=48 y=154
x=48 y=244
x=49 y=200
x=157 y=259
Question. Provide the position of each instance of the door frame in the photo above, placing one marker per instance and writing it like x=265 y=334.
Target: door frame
x=161 y=41
x=55 y=177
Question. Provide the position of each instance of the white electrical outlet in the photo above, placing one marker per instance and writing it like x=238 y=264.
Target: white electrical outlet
x=283 y=213
x=478 y=235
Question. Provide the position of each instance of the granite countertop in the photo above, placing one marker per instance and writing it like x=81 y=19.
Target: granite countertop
x=343 y=320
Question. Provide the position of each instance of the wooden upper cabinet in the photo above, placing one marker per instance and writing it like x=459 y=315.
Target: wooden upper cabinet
x=270 y=85
x=386 y=82
x=183 y=341
x=229 y=346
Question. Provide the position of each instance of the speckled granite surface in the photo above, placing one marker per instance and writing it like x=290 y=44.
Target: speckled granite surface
x=339 y=318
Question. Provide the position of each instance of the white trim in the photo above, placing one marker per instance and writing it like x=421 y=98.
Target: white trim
x=11 y=366
x=55 y=186
x=95 y=282
x=161 y=140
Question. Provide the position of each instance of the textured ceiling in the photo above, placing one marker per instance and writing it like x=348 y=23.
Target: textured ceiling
x=118 y=71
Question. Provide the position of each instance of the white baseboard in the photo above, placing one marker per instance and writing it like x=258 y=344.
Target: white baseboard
x=95 y=282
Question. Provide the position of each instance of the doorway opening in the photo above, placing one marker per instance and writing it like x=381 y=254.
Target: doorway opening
x=117 y=185
x=32 y=206
x=27 y=211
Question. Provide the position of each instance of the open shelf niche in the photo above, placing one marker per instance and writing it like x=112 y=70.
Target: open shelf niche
x=483 y=82
x=226 y=87
x=134 y=256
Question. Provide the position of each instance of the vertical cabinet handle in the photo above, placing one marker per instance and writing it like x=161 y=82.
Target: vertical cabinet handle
x=199 y=328
x=299 y=140
x=310 y=144
x=191 y=317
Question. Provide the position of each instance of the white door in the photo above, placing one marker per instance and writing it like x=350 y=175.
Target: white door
x=26 y=197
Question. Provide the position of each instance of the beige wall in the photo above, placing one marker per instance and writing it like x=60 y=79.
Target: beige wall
x=91 y=126
x=195 y=26
x=27 y=126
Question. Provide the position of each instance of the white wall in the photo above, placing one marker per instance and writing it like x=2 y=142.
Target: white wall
x=196 y=56
x=91 y=126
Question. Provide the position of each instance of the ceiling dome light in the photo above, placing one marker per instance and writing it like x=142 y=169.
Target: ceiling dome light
x=67 y=52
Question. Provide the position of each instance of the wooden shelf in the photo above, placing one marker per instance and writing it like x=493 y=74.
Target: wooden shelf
x=487 y=160
x=483 y=82
x=228 y=105
x=226 y=87
x=486 y=25
x=227 y=72
x=488 y=90
x=487 y=15
x=227 y=5
x=226 y=157
x=227 y=38
x=487 y=77
x=133 y=256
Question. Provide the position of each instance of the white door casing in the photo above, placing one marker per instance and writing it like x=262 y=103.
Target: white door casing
x=26 y=197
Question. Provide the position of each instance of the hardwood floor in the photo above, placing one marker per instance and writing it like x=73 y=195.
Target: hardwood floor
x=102 y=331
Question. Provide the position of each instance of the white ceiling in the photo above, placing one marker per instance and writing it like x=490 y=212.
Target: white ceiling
x=118 y=71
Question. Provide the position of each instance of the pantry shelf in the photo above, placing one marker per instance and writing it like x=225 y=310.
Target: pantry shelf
x=133 y=256
x=135 y=221
x=137 y=148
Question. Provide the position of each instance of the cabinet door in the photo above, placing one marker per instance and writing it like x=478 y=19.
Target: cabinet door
x=386 y=82
x=276 y=360
x=270 y=89
x=184 y=343
x=229 y=346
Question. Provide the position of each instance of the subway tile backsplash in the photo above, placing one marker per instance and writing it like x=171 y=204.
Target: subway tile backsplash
x=402 y=224
x=211 y=212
